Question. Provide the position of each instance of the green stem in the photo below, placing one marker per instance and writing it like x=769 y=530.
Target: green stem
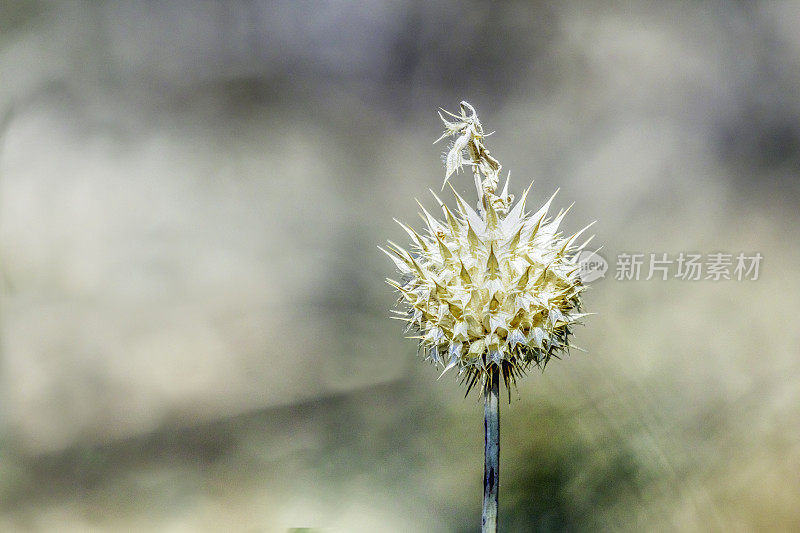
x=491 y=478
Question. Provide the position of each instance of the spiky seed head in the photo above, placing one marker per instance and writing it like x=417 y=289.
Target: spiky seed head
x=493 y=290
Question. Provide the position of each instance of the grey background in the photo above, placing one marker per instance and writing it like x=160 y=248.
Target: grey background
x=194 y=331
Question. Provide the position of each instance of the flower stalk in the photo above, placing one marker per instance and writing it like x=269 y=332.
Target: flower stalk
x=491 y=469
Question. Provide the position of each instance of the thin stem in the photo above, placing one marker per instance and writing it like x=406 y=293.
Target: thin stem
x=491 y=477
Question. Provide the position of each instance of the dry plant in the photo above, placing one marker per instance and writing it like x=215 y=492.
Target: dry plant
x=489 y=291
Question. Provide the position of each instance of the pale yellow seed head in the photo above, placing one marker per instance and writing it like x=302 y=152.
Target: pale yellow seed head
x=496 y=288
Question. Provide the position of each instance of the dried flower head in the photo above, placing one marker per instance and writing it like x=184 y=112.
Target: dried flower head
x=493 y=290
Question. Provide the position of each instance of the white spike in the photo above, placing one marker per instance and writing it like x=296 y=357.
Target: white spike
x=539 y=215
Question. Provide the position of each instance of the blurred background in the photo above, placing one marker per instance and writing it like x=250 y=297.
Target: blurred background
x=194 y=331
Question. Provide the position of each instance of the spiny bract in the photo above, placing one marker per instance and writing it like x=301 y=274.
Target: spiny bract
x=488 y=291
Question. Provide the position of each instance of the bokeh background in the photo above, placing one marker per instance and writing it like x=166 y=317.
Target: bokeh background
x=194 y=320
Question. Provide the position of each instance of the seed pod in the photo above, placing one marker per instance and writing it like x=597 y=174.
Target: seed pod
x=500 y=290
